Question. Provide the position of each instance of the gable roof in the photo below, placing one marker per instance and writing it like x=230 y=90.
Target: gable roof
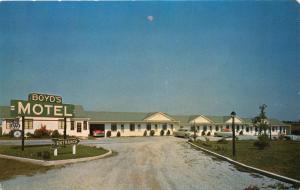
x=150 y=116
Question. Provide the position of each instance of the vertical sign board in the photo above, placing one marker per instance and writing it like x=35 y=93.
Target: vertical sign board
x=41 y=105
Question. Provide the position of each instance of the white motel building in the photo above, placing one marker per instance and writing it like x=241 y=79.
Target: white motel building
x=82 y=123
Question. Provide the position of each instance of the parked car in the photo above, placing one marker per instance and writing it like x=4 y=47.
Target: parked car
x=182 y=133
x=98 y=133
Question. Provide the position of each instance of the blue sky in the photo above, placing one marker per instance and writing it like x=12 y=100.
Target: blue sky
x=187 y=58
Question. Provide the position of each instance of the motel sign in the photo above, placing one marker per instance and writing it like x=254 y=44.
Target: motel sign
x=41 y=105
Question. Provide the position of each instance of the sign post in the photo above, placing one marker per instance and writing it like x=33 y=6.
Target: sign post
x=62 y=142
x=23 y=131
x=65 y=127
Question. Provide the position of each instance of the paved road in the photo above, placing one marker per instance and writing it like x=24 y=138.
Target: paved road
x=143 y=163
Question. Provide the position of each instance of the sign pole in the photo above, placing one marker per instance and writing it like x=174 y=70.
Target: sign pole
x=65 y=127
x=23 y=131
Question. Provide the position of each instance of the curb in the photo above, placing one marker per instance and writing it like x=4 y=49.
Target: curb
x=264 y=172
x=55 y=162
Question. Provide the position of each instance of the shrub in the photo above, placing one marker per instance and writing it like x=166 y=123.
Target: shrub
x=262 y=142
x=222 y=141
x=46 y=155
x=202 y=133
x=55 y=134
x=108 y=134
x=28 y=134
x=218 y=147
x=11 y=133
x=39 y=154
x=162 y=132
x=152 y=132
x=251 y=188
x=145 y=133
x=118 y=134
x=208 y=134
x=241 y=133
x=281 y=137
x=42 y=132
x=168 y=133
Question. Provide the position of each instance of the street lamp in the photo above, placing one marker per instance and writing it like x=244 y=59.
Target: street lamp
x=233 y=114
x=194 y=126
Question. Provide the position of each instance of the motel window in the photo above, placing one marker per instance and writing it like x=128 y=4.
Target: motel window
x=78 y=127
x=172 y=127
x=256 y=129
x=122 y=128
x=273 y=129
x=217 y=127
x=61 y=124
x=113 y=127
x=247 y=129
x=28 y=124
x=155 y=126
x=148 y=126
x=164 y=126
x=139 y=127
x=132 y=127
x=192 y=128
x=237 y=128
x=72 y=125
x=227 y=126
x=204 y=128
x=84 y=125
x=210 y=128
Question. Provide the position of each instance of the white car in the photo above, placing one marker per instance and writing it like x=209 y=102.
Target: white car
x=185 y=133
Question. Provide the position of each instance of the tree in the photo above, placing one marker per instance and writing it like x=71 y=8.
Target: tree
x=261 y=121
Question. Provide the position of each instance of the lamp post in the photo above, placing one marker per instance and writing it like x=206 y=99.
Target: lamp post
x=233 y=114
x=194 y=126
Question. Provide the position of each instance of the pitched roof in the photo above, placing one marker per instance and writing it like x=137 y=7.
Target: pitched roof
x=5 y=112
x=79 y=112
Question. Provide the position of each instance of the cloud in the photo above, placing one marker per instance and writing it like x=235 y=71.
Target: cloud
x=150 y=18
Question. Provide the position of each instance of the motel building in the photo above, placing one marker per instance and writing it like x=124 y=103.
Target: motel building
x=42 y=110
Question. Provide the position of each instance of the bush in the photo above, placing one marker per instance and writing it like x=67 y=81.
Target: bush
x=145 y=133
x=251 y=188
x=202 y=133
x=28 y=134
x=152 y=133
x=46 y=155
x=108 y=134
x=281 y=137
x=262 y=142
x=39 y=154
x=208 y=134
x=222 y=141
x=118 y=134
x=162 y=132
x=42 y=132
x=168 y=133
x=55 y=134
x=11 y=133
x=241 y=133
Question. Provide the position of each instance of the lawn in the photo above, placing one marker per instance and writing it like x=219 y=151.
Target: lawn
x=282 y=157
x=38 y=152
x=10 y=168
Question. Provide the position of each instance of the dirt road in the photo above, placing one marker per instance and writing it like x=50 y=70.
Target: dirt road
x=144 y=163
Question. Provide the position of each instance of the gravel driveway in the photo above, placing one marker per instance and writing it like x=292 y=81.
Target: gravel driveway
x=144 y=163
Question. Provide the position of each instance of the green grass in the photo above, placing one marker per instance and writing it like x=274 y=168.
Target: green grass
x=11 y=168
x=32 y=151
x=282 y=157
